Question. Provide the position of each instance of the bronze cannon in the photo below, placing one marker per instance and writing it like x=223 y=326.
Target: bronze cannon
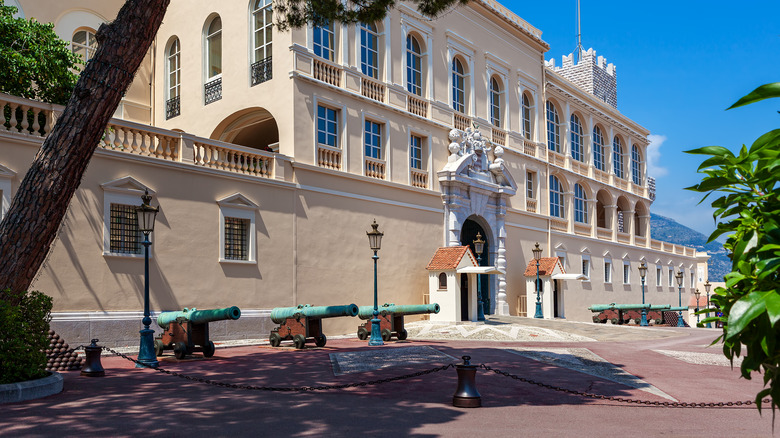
x=391 y=319
x=187 y=331
x=303 y=323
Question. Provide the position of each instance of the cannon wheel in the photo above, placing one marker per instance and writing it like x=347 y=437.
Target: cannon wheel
x=208 y=349
x=362 y=333
x=402 y=334
x=320 y=340
x=386 y=335
x=158 y=347
x=299 y=341
x=596 y=319
x=180 y=350
x=275 y=339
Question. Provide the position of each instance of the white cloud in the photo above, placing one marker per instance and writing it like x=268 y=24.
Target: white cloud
x=654 y=156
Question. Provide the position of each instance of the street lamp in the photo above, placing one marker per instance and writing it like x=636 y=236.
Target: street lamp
x=697 y=294
x=146 y=215
x=642 y=274
x=679 y=278
x=707 y=287
x=375 y=242
x=538 y=255
x=479 y=245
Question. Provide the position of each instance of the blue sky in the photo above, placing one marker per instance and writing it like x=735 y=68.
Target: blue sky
x=680 y=65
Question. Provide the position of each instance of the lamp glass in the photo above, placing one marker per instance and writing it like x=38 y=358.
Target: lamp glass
x=375 y=237
x=479 y=244
x=537 y=252
x=679 y=278
x=642 y=270
x=146 y=214
x=707 y=286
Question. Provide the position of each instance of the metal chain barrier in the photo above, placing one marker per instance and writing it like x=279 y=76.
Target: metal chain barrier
x=622 y=399
x=69 y=351
x=285 y=388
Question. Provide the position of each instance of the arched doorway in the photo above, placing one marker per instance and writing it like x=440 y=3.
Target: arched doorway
x=467 y=236
x=251 y=127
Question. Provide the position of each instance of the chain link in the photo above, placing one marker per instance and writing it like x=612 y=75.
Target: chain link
x=622 y=399
x=285 y=388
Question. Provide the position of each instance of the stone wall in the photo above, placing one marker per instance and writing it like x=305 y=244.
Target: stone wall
x=591 y=74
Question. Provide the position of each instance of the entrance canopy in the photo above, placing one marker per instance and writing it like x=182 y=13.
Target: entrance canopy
x=480 y=270
x=569 y=277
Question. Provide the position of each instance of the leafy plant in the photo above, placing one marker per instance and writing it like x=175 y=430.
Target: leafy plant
x=34 y=62
x=748 y=212
x=24 y=326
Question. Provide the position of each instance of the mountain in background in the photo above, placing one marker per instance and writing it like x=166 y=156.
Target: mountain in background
x=668 y=230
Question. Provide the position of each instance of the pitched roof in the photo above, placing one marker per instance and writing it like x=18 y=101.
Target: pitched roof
x=449 y=258
x=546 y=266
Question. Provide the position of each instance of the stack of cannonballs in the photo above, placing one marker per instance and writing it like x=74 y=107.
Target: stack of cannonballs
x=59 y=357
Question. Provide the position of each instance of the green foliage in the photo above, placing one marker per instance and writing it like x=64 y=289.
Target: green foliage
x=748 y=212
x=298 y=13
x=24 y=326
x=34 y=62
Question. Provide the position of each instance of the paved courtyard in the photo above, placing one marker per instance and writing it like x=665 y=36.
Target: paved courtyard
x=651 y=364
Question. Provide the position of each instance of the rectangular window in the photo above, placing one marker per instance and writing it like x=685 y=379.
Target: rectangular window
x=586 y=267
x=236 y=238
x=607 y=271
x=529 y=185
x=372 y=139
x=323 y=41
x=671 y=277
x=327 y=126
x=693 y=279
x=626 y=274
x=125 y=237
x=415 y=152
x=658 y=276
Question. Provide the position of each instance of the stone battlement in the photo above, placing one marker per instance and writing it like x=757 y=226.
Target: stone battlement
x=592 y=74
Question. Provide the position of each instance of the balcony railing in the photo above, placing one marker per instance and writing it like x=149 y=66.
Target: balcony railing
x=232 y=158
x=25 y=117
x=329 y=157
x=212 y=91
x=262 y=71
x=327 y=73
x=601 y=176
x=580 y=167
x=530 y=205
x=555 y=158
x=498 y=136
x=138 y=139
x=621 y=183
x=582 y=229
x=417 y=106
x=459 y=121
x=375 y=168
x=559 y=224
x=372 y=89
x=173 y=107
x=419 y=178
x=529 y=147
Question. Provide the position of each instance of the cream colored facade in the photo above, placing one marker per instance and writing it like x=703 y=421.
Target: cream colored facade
x=260 y=153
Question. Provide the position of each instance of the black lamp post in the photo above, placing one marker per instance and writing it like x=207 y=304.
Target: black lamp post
x=697 y=294
x=479 y=245
x=642 y=274
x=679 y=278
x=146 y=215
x=707 y=287
x=375 y=242
x=538 y=256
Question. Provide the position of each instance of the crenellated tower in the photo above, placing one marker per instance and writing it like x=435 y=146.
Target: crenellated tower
x=591 y=74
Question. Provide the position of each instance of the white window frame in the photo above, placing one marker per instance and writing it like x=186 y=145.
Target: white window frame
x=423 y=141
x=582 y=201
x=6 y=176
x=659 y=276
x=207 y=38
x=89 y=50
x=326 y=30
x=598 y=146
x=636 y=165
x=618 y=158
x=240 y=207
x=463 y=77
x=381 y=148
x=560 y=195
x=173 y=90
x=530 y=184
x=554 y=135
x=576 y=137
x=376 y=34
x=607 y=270
x=125 y=191
x=496 y=109
x=422 y=55
x=267 y=45
x=527 y=111
x=626 y=272
x=671 y=276
x=586 y=266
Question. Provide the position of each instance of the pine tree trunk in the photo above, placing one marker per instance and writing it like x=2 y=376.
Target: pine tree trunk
x=40 y=204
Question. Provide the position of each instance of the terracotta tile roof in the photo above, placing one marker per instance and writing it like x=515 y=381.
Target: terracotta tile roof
x=546 y=266
x=448 y=258
x=702 y=301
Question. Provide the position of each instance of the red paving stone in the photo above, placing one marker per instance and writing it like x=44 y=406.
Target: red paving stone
x=134 y=402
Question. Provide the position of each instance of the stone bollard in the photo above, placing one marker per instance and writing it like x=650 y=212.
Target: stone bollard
x=92 y=367
x=466 y=396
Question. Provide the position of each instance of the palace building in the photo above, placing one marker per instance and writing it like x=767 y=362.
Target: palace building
x=270 y=154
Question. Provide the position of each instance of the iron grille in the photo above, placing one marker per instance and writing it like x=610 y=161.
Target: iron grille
x=125 y=237
x=173 y=107
x=261 y=71
x=236 y=238
x=213 y=90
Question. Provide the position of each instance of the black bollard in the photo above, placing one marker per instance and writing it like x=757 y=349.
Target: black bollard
x=93 y=368
x=466 y=396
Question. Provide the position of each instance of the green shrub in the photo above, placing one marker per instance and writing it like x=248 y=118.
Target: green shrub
x=24 y=327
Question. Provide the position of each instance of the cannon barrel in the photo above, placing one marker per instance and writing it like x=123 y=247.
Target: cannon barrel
x=198 y=316
x=367 y=312
x=279 y=314
x=613 y=306
x=659 y=307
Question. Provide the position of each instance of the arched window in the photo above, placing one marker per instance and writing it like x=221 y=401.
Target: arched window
x=527 y=121
x=576 y=137
x=84 y=44
x=458 y=86
x=598 y=148
x=442 y=281
x=262 y=26
x=413 y=65
x=556 y=197
x=617 y=157
x=173 y=105
x=369 y=50
x=636 y=165
x=323 y=41
x=496 y=101
x=580 y=205
x=214 y=49
x=553 y=130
